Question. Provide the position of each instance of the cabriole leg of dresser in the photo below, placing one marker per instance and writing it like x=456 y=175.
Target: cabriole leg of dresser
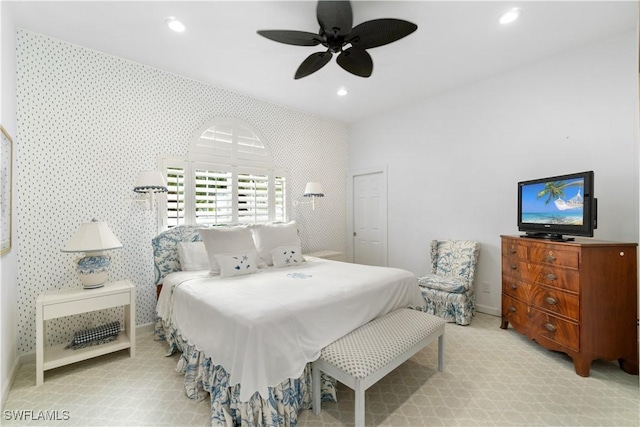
x=630 y=366
x=504 y=324
x=582 y=365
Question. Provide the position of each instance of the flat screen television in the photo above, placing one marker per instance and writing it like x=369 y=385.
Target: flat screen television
x=549 y=208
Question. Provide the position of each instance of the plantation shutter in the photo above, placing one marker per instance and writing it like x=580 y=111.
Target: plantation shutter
x=227 y=178
x=253 y=198
x=175 y=177
x=280 y=204
x=213 y=196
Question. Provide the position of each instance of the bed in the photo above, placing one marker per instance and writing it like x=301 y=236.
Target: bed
x=247 y=340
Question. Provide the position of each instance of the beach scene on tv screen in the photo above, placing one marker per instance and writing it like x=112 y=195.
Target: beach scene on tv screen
x=553 y=202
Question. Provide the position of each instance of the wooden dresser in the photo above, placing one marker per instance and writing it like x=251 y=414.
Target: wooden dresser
x=578 y=297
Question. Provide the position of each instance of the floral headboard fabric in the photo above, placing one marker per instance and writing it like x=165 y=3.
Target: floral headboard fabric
x=165 y=249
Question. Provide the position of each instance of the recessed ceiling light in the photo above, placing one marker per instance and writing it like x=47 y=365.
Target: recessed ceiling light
x=342 y=92
x=510 y=16
x=174 y=24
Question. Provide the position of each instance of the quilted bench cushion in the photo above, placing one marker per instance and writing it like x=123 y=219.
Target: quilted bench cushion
x=373 y=345
x=454 y=285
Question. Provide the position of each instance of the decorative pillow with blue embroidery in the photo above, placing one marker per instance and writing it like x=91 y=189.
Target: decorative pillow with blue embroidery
x=237 y=264
x=287 y=256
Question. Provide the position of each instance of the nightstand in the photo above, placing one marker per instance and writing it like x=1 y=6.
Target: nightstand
x=334 y=255
x=67 y=302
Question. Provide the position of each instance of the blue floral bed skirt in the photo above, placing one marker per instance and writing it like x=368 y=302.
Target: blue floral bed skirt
x=202 y=377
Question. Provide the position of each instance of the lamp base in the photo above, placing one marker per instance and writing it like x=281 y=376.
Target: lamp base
x=93 y=286
x=93 y=270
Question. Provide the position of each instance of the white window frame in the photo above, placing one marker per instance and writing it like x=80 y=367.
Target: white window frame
x=208 y=158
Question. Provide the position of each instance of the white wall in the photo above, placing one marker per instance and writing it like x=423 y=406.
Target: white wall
x=89 y=122
x=454 y=159
x=8 y=262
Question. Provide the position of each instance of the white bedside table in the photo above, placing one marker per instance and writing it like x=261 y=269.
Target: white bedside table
x=67 y=302
x=334 y=255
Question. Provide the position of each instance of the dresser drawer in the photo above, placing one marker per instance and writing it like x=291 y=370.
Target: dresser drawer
x=514 y=311
x=556 y=301
x=557 y=277
x=515 y=287
x=513 y=249
x=515 y=267
x=552 y=328
x=549 y=255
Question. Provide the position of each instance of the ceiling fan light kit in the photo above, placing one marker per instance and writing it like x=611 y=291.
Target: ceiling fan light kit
x=339 y=36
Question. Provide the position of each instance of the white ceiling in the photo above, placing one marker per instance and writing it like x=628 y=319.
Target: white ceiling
x=456 y=43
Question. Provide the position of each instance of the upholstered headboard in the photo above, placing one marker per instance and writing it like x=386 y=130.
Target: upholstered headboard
x=165 y=249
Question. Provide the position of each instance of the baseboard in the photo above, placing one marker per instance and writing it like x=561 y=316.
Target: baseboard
x=9 y=384
x=149 y=327
x=488 y=310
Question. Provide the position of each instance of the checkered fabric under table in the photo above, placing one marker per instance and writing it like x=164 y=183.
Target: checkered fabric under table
x=98 y=335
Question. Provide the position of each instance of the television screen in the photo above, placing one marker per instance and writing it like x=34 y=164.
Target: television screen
x=554 y=202
x=550 y=207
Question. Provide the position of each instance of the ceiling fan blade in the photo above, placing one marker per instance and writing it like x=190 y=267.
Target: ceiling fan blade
x=335 y=17
x=356 y=61
x=379 y=32
x=313 y=63
x=298 y=38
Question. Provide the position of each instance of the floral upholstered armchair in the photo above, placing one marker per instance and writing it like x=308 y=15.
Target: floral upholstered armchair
x=448 y=290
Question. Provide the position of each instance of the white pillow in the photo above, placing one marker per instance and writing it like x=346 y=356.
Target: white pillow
x=287 y=256
x=221 y=240
x=267 y=237
x=193 y=256
x=237 y=264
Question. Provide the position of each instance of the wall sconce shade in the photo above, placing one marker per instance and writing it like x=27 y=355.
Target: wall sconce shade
x=93 y=238
x=313 y=189
x=150 y=182
x=147 y=185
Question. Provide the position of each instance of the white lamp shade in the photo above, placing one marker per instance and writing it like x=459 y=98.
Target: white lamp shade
x=150 y=182
x=313 y=189
x=92 y=237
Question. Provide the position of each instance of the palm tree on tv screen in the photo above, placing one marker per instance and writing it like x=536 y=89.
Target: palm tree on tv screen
x=555 y=190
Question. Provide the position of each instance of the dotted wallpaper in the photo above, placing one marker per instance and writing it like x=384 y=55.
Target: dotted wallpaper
x=88 y=122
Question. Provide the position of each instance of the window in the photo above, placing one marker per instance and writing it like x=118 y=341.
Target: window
x=228 y=178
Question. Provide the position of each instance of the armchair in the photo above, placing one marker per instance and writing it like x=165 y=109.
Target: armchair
x=448 y=290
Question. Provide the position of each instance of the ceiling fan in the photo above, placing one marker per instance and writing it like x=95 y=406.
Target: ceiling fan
x=336 y=32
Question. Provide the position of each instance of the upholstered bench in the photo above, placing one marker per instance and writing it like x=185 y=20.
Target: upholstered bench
x=365 y=355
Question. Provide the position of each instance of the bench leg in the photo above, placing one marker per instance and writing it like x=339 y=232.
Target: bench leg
x=441 y=352
x=359 y=401
x=315 y=390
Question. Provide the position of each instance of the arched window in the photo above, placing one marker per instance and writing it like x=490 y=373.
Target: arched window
x=228 y=178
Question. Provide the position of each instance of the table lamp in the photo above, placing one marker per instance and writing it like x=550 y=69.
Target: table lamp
x=93 y=238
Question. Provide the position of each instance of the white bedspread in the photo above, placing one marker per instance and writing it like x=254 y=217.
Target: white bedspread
x=170 y=282
x=263 y=328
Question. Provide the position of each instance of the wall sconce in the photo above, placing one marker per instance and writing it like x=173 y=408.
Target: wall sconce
x=147 y=184
x=313 y=190
x=92 y=238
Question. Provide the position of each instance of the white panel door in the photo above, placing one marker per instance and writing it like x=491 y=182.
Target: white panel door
x=369 y=219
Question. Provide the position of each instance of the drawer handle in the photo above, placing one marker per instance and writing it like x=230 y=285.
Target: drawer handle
x=552 y=276
x=551 y=301
x=512 y=309
x=550 y=258
x=550 y=327
x=513 y=251
x=514 y=287
x=513 y=266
